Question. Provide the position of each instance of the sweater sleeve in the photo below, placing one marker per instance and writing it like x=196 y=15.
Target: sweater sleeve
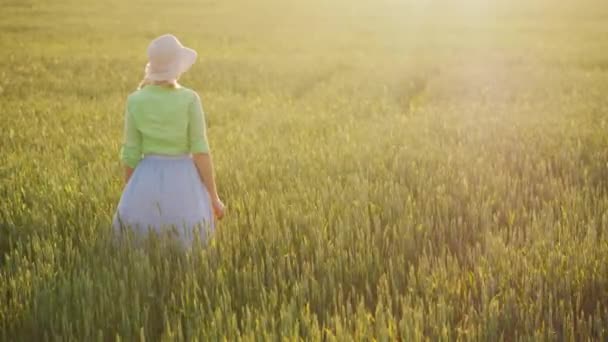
x=130 y=153
x=197 y=130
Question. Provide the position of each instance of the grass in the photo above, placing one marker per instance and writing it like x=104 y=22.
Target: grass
x=393 y=171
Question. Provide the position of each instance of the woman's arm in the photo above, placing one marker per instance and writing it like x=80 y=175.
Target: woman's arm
x=130 y=152
x=204 y=164
x=201 y=154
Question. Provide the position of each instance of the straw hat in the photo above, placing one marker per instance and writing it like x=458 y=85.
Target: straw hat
x=168 y=59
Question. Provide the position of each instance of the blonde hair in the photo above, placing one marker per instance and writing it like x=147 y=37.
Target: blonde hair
x=168 y=84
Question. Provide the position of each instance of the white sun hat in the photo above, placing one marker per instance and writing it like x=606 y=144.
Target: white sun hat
x=168 y=59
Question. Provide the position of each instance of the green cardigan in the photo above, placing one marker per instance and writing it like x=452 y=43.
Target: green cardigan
x=162 y=120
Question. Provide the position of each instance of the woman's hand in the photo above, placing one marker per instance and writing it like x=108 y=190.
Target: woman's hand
x=218 y=208
x=204 y=165
x=128 y=173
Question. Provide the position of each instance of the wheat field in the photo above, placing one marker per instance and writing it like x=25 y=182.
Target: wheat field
x=393 y=170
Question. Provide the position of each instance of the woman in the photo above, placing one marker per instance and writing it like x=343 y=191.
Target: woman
x=165 y=151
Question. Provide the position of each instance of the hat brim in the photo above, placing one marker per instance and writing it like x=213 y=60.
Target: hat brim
x=185 y=60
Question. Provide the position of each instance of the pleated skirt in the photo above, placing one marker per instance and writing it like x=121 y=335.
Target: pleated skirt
x=165 y=195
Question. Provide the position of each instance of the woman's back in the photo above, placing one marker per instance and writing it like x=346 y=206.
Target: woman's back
x=164 y=120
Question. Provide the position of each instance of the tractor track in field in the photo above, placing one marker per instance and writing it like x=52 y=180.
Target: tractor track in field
x=309 y=84
x=411 y=93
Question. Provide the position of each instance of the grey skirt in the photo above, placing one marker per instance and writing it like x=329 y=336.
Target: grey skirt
x=166 y=195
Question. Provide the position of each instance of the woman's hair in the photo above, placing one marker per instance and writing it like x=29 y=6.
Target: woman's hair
x=168 y=84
